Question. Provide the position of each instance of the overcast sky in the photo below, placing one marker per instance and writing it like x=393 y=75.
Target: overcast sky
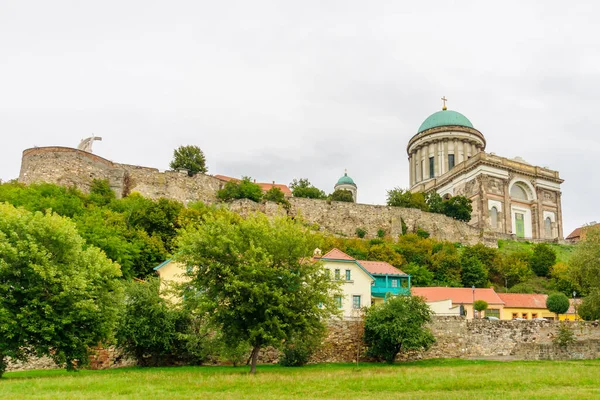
x=279 y=90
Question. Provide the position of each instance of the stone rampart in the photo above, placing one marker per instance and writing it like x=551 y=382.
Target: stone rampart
x=71 y=167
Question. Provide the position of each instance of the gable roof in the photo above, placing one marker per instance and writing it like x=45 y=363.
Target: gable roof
x=381 y=268
x=337 y=254
x=162 y=264
x=457 y=295
x=519 y=300
x=576 y=234
x=263 y=185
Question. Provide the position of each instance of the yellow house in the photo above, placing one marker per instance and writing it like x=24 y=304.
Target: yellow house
x=571 y=314
x=171 y=272
x=525 y=306
x=445 y=301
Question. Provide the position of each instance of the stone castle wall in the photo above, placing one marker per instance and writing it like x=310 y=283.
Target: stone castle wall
x=71 y=167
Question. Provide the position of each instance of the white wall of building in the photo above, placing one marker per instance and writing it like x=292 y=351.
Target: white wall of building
x=358 y=285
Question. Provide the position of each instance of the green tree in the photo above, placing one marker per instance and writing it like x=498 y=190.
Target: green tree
x=154 y=331
x=244 y=189
x=342 y=195
x=458 y=207
x=480 y=305
x=303 y=188
x=584 y=265
x=405 y=198
x=474 y=273
x=542 y=259
x=256 y=282
x=557 y=303
x=57 y=295
x=434 y=202
x=100 y=192
x=190 y=158
x=397 y=325
x=589 y=309
x=276 y=195
x=361 y=232
x=420 y=275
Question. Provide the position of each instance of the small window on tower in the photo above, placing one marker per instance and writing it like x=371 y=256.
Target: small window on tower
x=450 y=161
x=431 y=167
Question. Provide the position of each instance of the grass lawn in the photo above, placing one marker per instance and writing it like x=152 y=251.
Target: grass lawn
x=431 y=379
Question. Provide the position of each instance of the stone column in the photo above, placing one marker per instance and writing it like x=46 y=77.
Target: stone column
x=426 y=163
x=411 y=170
x=506 y=210
x=473 y=150
x=445 y=157
x=541 y=226
x=418 y=171
x=559 y=215
x=436 y=158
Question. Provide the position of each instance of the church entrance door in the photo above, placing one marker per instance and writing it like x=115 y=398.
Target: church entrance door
x=520 y=225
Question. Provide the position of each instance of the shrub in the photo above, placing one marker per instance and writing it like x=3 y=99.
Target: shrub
x=589 y=309
x=244 y=189
x=564 y=335
x=542 y=259
x=303 y=188
x=296 y=354
x=361 y=232
x=380 y=233
x=276 y=195
x=342 y=195
x=423 y=234
x=557 y=303
x=404 y=227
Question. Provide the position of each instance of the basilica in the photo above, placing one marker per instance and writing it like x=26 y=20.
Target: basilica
x=509 y=195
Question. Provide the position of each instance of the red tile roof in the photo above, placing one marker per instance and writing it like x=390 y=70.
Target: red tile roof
x=337 y=254
x=264 y=186
x=457 y=295
x=576 y=234
x=380 y=268
x=518 y=300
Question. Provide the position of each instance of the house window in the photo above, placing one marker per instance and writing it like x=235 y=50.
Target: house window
x=348 y=275
x=515 y=315
x=394 y=282
x=524 y=315
x=548 y=227
x=356 y=302
x=492 y=312
x=534 y=315
x=450 y=161
x=337 y=274
x=338 y=301
x=431 y=167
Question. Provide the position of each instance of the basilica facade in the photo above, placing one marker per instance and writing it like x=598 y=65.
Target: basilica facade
x=447 y=155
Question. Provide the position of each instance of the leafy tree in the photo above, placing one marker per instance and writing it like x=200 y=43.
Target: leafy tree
x=419 y=274
x=557 y=303
x=342 y=195
x=511 y=270
x=584 y=264
x=43 y=197
x=397 y=325
x=564 y=336
x=57 y=295
x=480 y=305
x=458 y=207
x=589 y=309
x=276 y=195
x=190 y=158
x=303 y=188
x=244 y=189
x=152 y=330
x=256 y=284
x=561 y=280
x=100 y=192
x=361 y=232
x=435 y=203
x=542 y=259
x=405 y=198
x=474 y=273
x=297 y=351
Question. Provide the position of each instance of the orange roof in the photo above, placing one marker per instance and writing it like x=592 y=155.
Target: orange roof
x=519 y=300
x=575 y=234
x=264 y=186
x=457 y=295
x=374 y=267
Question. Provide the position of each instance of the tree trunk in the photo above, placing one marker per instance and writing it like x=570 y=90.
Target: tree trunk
x=254 y=357
x=3 y=364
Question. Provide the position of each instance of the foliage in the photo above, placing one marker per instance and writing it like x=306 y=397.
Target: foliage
x=244 y=189
x=404 y=226
x=151 y=329
x=405 y=198
x=361 y=232
x=557 y=303
x=419 y=274
x=190 y=158
x=297 y=352
x=303 y=188
x=564 y=335
x=474 y=273
x=589 y=308
x=43 y=197
x=276 y=195
x=342 y=195
x=255 y=282
x=100 y=192
x=585 y=263
x=397 y=325
x=380 y=233
x=458 y=207
x=542 y=259
x=57 y=296
x=480 y=305
x=423 y=234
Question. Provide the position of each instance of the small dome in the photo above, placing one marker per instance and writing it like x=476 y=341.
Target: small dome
x=345 y=180
x=445 y=118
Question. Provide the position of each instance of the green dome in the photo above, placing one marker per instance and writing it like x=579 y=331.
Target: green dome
x=445 y=118
x=346 y=180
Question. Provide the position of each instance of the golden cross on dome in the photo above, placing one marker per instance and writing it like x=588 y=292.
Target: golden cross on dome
x=444 y=99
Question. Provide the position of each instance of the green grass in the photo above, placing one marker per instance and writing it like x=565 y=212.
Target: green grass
x=563 y=251
x=431 y=379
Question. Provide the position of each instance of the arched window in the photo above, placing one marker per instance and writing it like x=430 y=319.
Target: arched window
x=548 y=227
x=494 y=217
x=517 y=192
